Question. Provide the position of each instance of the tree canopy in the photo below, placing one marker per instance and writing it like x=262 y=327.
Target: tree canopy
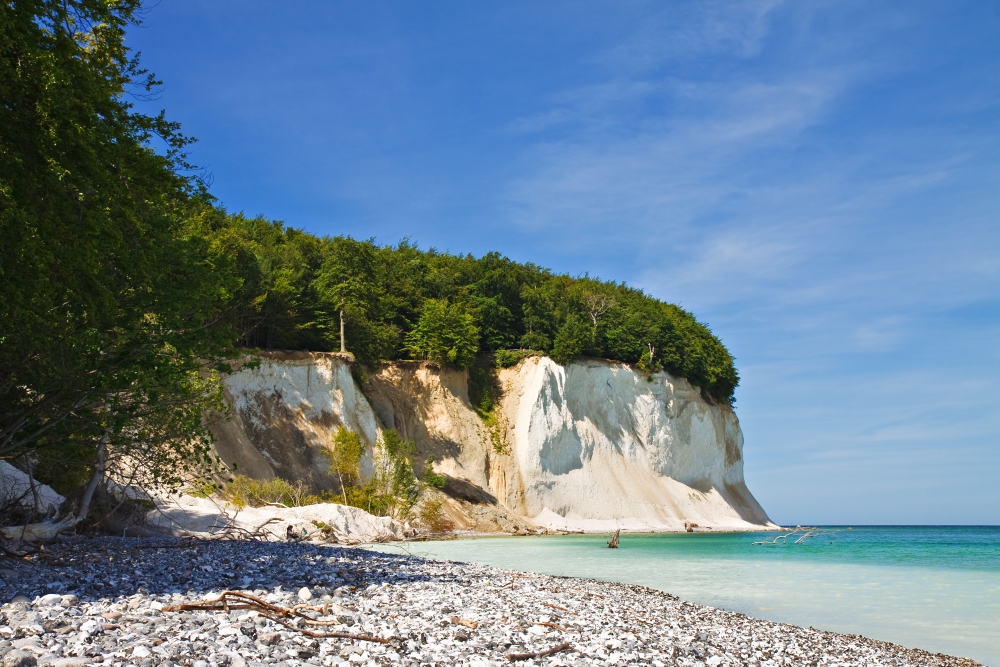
x=401 y=301
x=109 y=304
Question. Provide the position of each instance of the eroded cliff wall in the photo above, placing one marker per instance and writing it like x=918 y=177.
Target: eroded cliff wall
x=285 y=412
x=430 y=405
x=596 y=445
x=590 y=446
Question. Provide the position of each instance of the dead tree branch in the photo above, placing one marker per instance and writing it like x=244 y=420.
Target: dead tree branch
x=558 y=648
x=230 y=600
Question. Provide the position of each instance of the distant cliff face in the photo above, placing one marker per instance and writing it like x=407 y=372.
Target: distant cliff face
x=592 y=446
x=596 y=445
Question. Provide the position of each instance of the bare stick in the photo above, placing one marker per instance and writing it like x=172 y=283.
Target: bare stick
x=558 y=648
x=555 y=606
x=230 y=600
x=553 y=625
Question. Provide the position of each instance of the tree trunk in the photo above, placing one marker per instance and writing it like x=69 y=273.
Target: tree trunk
x=343 y=346
x=613 y=542
x=34 y=487
x=99 y=466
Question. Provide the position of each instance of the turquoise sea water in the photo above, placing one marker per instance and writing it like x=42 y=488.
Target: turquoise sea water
x=936 y=588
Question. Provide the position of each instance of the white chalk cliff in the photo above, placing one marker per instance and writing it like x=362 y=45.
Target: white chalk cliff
x=590 y=446
x=596 y=446
x=285 y=411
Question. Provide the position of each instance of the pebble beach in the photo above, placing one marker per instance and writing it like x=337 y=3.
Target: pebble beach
x=146 y=602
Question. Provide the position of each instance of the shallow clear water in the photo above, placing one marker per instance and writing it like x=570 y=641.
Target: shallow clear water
x=936 y=588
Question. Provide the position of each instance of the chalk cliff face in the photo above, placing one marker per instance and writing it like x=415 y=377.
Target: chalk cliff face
x=430 y=405
x=285 y=412
x=596 y=446
x=590 y=446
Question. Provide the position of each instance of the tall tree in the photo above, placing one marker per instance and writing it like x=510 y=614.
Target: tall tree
x=348 y=287
x=108 y=302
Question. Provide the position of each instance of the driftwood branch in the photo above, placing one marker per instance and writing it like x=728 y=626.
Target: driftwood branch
x=34 y=533
x=549 y=624
x=555 y=606
x=558 y=648
x=230 y=600
x=800 y=532
x=613 y=542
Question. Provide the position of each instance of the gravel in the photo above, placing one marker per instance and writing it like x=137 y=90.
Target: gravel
x=101 y=601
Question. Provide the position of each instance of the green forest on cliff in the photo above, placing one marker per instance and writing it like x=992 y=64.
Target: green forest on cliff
x=402 y=302
x=125 y=289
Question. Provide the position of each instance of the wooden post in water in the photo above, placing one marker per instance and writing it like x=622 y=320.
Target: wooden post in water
x=613 y=542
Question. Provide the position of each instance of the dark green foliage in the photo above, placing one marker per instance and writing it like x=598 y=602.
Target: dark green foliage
x=444 y=333
x=431 y=478
x=573 y=338
x=109 y=303
x=482 y=388
x=508 y=358
x=400 y=301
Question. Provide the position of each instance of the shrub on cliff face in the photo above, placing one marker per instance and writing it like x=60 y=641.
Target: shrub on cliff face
x=392 y=489
x=345 y=459
x=431 y=515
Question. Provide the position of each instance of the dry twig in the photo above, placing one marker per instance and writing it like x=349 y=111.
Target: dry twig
x=230 y=600
x=558 y=648
x=553 y=625
x=555 y=606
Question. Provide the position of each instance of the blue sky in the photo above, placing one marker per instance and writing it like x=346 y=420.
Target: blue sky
x=819 y=182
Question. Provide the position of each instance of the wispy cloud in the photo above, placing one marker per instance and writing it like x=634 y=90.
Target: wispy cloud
x=827 y=255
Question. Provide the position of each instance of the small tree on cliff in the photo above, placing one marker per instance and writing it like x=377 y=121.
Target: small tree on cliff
x=345 y=458
x=572 y=339
x=347 y=282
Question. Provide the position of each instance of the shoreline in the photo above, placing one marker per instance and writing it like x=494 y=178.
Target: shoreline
x=476 y=535
x=101 y=601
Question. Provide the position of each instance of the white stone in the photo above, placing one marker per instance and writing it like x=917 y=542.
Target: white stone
x=141 y=652
x=49 y=600
x=305 y=594
x=351 y=525
x=16 y=485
